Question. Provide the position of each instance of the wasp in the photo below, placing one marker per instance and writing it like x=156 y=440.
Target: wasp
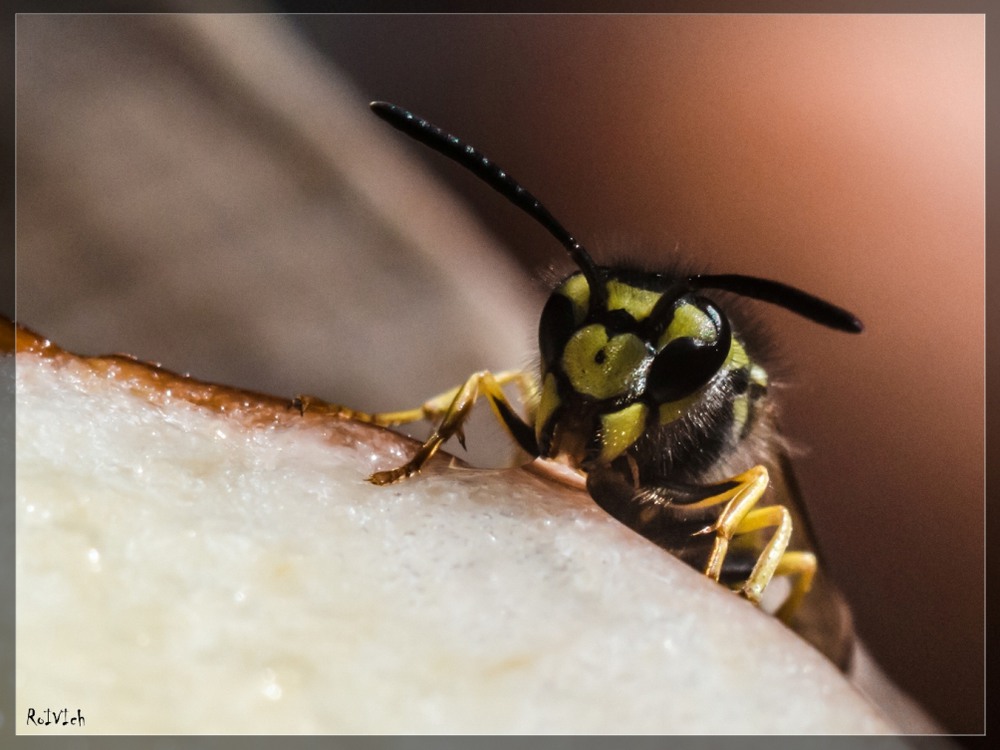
x=649 y=388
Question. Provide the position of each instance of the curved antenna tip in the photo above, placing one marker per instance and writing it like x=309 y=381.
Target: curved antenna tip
x=777 y=293
x=381 y=108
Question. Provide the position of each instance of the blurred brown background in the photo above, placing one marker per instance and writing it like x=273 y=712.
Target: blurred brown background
x=842 y=154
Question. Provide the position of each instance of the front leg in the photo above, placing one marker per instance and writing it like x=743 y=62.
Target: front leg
x=452 y=408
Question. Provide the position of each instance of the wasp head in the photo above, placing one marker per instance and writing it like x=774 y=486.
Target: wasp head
x=614 y=368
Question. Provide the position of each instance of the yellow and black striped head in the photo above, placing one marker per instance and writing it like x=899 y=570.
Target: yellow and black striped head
x=649 y=361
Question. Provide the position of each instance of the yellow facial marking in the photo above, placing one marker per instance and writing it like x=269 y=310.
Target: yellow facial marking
x=688 y=322
x=578 y=292
x=737 y=358
x=601 y=367
x=758 y=375
x=547 y=404
x=620 y=429
x=636 y=302
x=674 y=410
x=741 y=408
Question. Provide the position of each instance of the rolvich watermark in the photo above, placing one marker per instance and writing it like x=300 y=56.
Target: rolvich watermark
x=48 y=717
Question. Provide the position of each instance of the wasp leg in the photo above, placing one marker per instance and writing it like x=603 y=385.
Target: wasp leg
x=746 y=491
x=453 y=408
x=387 y=419
x=803 y=566
x=741 y=517
x=430 y=409
x=674 y=517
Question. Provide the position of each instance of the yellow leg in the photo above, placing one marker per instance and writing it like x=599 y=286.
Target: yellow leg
x=739 y=500
x=387 y=419
x=430 y=409
x=802 y=565
x=741 y=517
x=452 y=407
x=776 y=516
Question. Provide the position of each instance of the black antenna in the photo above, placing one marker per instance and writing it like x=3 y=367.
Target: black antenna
x=494 y=176
x=804 y=304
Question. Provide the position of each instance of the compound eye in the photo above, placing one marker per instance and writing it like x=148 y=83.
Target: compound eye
x=688 y=362
x=555 y=328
